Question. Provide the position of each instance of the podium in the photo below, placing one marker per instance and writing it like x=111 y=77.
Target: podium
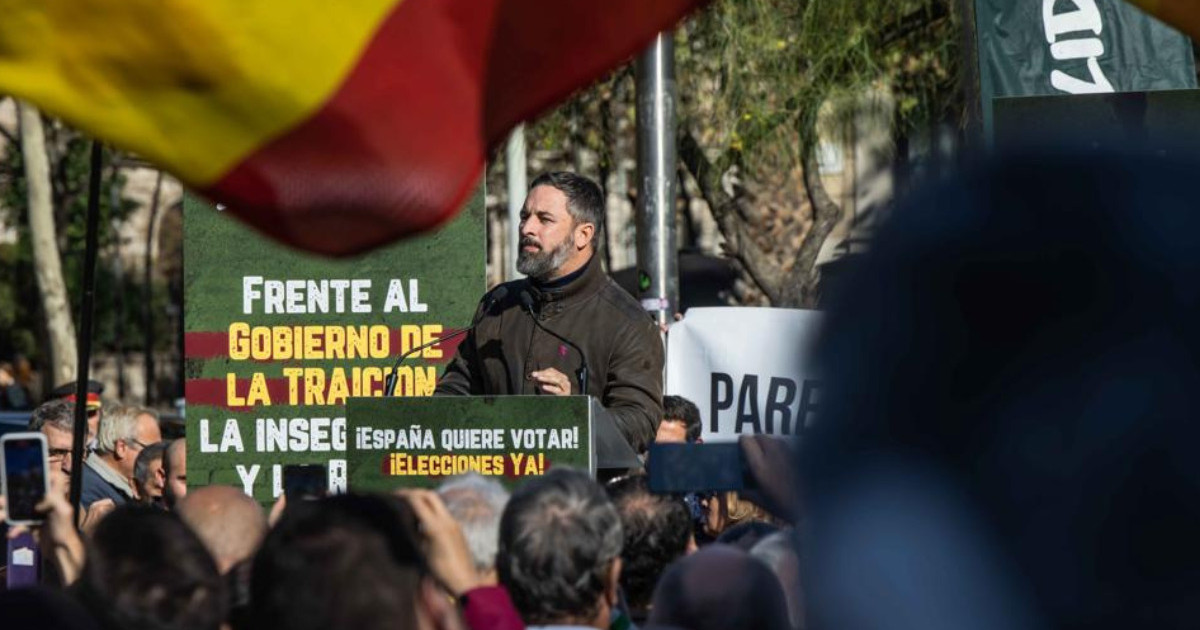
x=417 y=442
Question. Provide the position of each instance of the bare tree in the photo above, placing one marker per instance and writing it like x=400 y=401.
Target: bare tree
x=48 y=262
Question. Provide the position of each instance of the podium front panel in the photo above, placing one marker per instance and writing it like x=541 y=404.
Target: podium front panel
x=418 y=442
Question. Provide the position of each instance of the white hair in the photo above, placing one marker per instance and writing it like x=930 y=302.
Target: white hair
x=476 y=502
x=117 y=422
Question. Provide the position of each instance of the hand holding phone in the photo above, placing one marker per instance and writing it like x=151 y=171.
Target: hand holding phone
x=305 y=482
x=679 y=468
x=24 y=476
x=57 y=535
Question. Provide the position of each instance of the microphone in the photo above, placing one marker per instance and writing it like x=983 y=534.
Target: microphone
x=582 y=373
x=389 y=383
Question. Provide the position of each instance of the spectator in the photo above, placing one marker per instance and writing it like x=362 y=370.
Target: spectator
x=1011 y=441
x=66 y=392
x=681 y=424
x=148 y=474
x=345 y=563
x=175 y=472
x=724 y=510
x=56 y=421
x=230 y=524
x=146 y=570
x=108 y=473
x=657 y=530
x=680 y=421
x=719 y=588
x=778 y=552
x=746 y=535
x=44 y=608
x=560 y=551
x=476 y=503
x=13 y=395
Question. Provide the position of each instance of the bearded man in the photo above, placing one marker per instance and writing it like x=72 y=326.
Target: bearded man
x=569 y=294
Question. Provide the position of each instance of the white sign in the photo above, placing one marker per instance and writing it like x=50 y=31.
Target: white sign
x=747 y=369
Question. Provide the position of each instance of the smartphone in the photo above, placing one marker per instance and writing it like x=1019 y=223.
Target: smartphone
x=305 y=481
x=681 y=468
x=24 y=475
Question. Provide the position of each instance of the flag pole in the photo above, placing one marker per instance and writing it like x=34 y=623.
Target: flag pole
x=84 y=345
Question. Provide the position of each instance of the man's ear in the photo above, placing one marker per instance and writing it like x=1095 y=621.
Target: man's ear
x=584 y=232
x=435 y=609
x=120 y=448
x=613 y=587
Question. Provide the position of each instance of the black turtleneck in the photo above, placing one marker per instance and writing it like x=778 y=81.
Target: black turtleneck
x=563 y=281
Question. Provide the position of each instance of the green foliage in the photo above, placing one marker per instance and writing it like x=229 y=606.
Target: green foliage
x=20 y=302
x=17 y=321
x=759 y=71
x=753 y=75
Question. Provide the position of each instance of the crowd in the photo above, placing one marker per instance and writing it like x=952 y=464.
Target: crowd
x=562 y=551
x=1009 y=443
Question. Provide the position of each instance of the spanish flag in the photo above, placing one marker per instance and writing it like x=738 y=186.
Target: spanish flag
x=1184 y=15
x=335 y=126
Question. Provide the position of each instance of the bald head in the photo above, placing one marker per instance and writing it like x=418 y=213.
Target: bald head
x=229 y=523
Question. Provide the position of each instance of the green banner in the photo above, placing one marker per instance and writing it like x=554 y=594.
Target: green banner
x=1044 y=47
x=277 y=340
x=401 y=443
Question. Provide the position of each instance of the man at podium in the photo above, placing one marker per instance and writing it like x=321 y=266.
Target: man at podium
x=567 y=328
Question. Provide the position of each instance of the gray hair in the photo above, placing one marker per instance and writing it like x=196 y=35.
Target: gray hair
x=476 y=502
x=558 y=538
x=585 y=198
x=57 y=413
x=117 y=422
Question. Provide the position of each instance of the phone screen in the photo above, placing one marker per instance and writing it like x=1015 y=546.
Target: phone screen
x=305 y=481
x=695 y=467
x=24 y=477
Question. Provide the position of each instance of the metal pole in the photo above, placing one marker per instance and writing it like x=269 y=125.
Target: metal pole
x=87 y=308
x=658 y=259
x=150 y=397
x=515 y=166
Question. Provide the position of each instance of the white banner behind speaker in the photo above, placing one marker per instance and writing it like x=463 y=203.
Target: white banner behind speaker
x=747 y=369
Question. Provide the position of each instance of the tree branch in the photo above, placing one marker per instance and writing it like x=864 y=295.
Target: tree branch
x=763 y=271
x=912 y=23
x=804 y=277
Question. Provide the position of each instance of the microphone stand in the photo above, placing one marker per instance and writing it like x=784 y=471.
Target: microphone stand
x=389 y=383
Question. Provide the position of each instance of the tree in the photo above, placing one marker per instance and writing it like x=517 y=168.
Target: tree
x=24 y=314
x=797 y=61
x=761 y=83
x=44 y=239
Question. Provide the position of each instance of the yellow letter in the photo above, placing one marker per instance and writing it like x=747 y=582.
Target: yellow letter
x=293 y=376
x=258 y=391
x=239 y=341
x=231 y=395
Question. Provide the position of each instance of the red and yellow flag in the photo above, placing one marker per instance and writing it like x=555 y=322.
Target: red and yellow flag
x=333 y=126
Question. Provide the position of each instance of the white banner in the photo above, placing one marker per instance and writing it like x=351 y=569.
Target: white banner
x=747 y=369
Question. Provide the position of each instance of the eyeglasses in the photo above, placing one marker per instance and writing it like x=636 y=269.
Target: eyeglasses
x=139 y=444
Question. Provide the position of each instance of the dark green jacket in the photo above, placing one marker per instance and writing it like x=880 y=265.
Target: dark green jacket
x=623 y=346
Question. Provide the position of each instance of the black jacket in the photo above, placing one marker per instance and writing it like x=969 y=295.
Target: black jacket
x=622 y=343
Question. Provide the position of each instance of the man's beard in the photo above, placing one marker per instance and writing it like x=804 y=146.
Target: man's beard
x=542 y=264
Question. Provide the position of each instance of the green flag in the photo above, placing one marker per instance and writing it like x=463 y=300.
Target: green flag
x=1044 y=47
